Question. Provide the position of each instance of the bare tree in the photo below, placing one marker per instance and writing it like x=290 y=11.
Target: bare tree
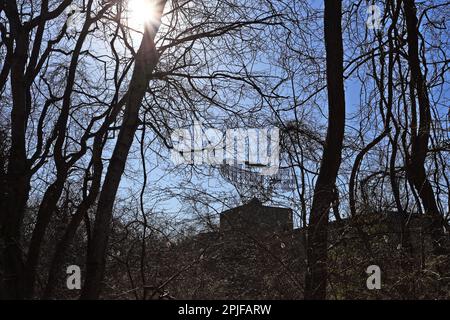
x=316 y=274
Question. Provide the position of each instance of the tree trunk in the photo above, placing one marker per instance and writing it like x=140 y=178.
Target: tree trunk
x=18 y=175
x=316 y=275
x=86 y=204
x=146 y=60
x=419 y=144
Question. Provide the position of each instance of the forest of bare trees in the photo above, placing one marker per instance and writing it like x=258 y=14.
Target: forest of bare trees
x=92 y=90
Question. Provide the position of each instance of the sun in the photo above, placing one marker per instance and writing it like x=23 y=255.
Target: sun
x=140 y=12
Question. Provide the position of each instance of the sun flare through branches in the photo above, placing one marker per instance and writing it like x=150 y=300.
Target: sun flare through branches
x=141 y=12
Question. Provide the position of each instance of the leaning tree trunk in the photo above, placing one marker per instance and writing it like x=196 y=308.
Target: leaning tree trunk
x=419 y=140
x=53 y=193
x=86 y=204
x=146 y=60
x=316 y=275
